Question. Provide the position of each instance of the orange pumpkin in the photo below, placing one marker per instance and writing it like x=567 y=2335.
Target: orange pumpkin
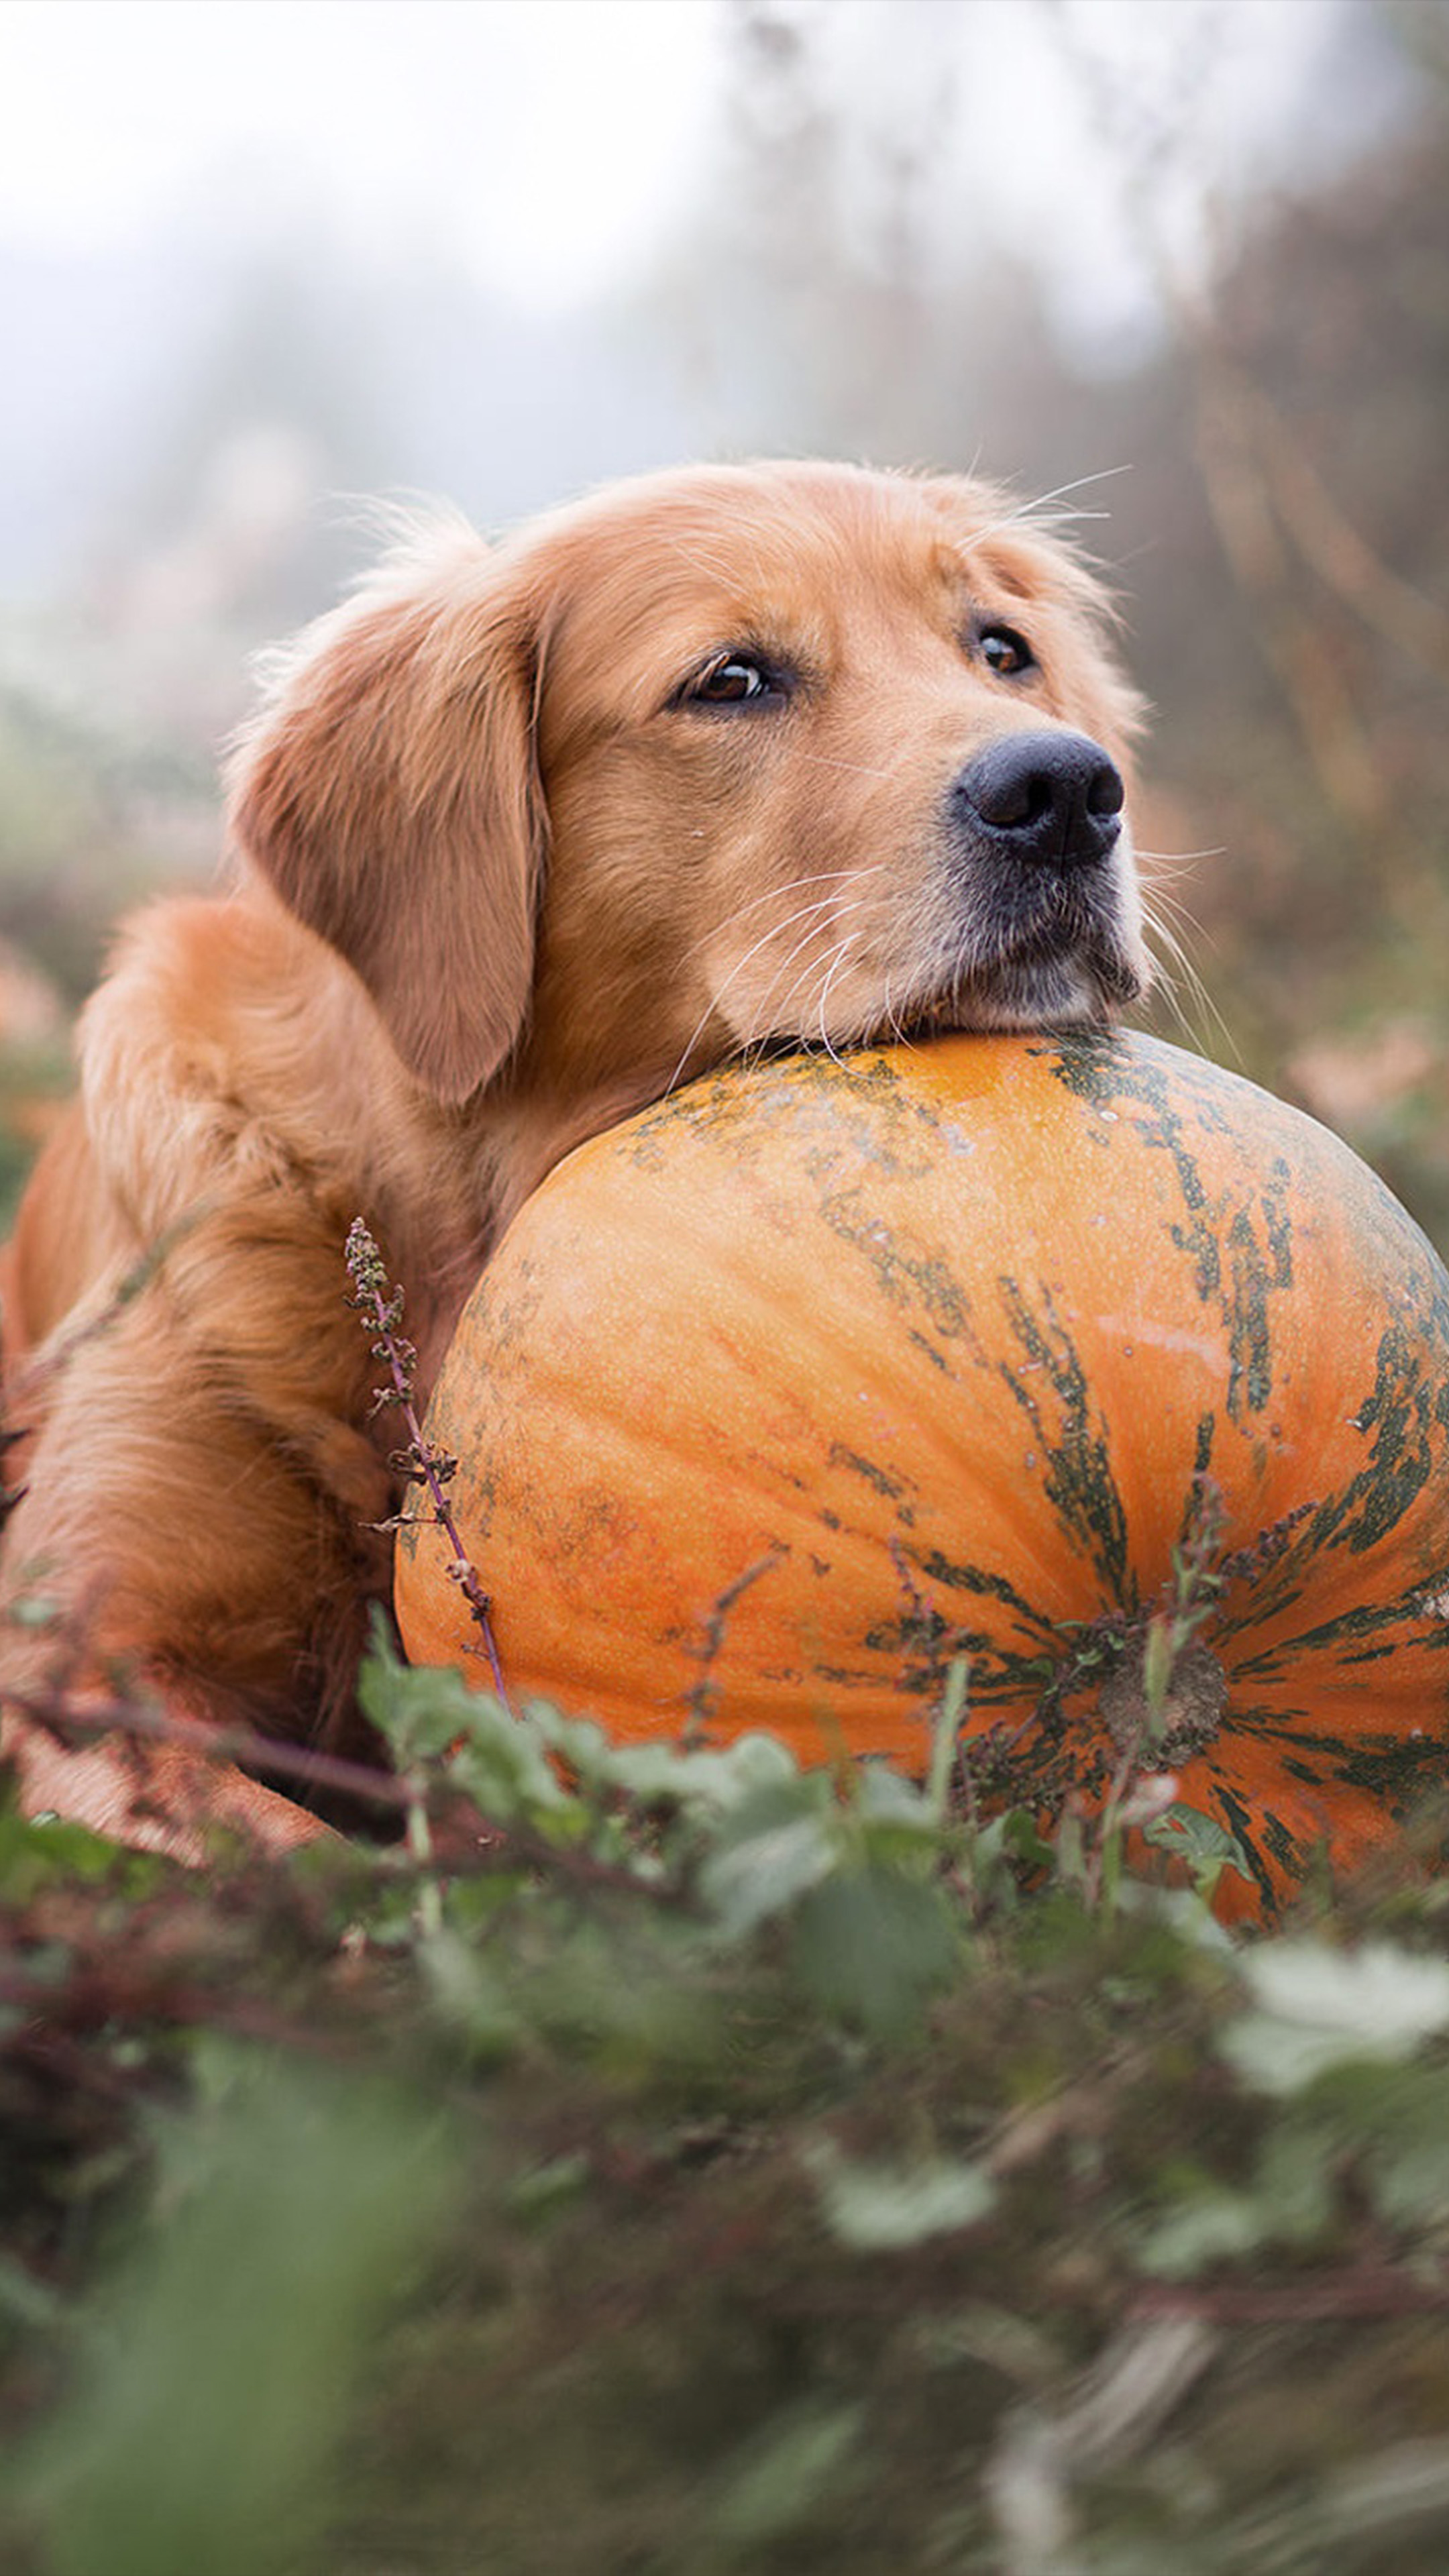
x=777 y=1399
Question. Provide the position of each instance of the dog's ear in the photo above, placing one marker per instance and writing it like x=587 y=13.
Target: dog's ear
x=389 y=791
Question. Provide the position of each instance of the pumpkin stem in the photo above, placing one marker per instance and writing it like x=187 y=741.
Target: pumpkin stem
x=1171 y=1719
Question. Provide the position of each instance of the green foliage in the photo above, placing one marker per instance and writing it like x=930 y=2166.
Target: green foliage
x=661 y=2158
x=215 y=2371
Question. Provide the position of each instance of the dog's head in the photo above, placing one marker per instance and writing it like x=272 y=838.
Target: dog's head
x=719 y=758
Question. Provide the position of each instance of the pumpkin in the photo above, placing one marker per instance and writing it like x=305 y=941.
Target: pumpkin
x=820 y=1375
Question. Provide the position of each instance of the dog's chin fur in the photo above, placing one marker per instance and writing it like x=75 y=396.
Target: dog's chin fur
x=510 y=861
x=1078 y=984
x=1070 y=991
x=1017 y=999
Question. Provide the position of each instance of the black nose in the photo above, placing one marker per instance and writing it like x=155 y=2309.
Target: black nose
x=1052 y=798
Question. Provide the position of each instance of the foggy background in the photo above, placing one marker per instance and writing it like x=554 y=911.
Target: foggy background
x=1189 y=259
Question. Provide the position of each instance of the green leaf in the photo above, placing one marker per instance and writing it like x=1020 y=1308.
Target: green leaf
x=871 y=1946
x=778 y=2479
x=472 y=1994
x=659 y=1774
x=885 y=1796
x=503 y=1767
x=547 y=2188
x=1017 y=1835
x=1399 y=2120
x=878 y=2208
x=219 y=2388
x=1206 y=1846
x=782 y=1844
x=37 y=1851
x=1219 y=2226
x=1321 y=2008
x=1290 y=2199
x=417 y=1709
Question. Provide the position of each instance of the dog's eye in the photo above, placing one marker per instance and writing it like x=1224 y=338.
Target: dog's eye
x=1005 y=652
x=733 y=679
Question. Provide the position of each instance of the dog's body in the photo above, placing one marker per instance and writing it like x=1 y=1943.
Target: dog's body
x=794 y=753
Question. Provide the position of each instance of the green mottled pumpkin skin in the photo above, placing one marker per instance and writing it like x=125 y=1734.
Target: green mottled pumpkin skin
x=817 y=1376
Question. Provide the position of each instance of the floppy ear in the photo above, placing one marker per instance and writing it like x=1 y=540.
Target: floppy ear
x=389 y=791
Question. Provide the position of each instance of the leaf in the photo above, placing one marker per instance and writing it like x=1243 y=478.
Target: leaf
x=1321 y=2008
x=200 y=2437
x=502 y=1766
x=1019 y=1837
x=776 y=2481
x=871 y=1945
x=764 y=1872
x=1289 y=2200
x=417 y=1709
x=1398 y=2121
x=1219 y=2226
x=660 y=1774
x=471 y=1995
x=1206 y=1846
x=547 y=2188
x=885 y=1796
x=38 y=1851
x=878 y=2208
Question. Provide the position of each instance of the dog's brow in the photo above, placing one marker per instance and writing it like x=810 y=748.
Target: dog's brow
x=723 y=569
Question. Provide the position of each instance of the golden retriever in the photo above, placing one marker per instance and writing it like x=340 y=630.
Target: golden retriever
x=523 y=835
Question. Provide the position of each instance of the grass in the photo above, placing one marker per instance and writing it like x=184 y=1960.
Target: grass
x=673 y=2161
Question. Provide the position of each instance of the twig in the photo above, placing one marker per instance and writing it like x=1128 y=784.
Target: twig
x=702 y=1695
x=419 y=1463
x=60 y=1716
x=1365 y=2291
x=242 y=1744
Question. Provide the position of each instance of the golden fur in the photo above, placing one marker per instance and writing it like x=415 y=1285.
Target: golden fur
x=506 y=868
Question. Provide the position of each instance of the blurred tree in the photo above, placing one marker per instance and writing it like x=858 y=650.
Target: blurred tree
x=1262 y=466
x=1282 y=533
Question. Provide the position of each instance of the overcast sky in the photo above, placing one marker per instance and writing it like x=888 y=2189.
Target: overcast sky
x=548 y=141
x=406 y=114
x=491 y=178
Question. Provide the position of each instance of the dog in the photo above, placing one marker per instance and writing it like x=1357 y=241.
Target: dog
x=522 y=836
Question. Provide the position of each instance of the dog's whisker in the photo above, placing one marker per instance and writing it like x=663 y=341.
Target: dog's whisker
x=1159 y=902
x=1160 y=865
x=776 y=929
x=851 y=940
x=1163 y=906
x=1167 y=947
x=1037 y=507
x=792 y=1011
x=894 y=1021
x=780 y=1012
x=778 y=1016
x=822 y=876
x=1160 y=928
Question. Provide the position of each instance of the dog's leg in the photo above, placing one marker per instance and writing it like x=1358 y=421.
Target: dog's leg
x=198 y=1511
